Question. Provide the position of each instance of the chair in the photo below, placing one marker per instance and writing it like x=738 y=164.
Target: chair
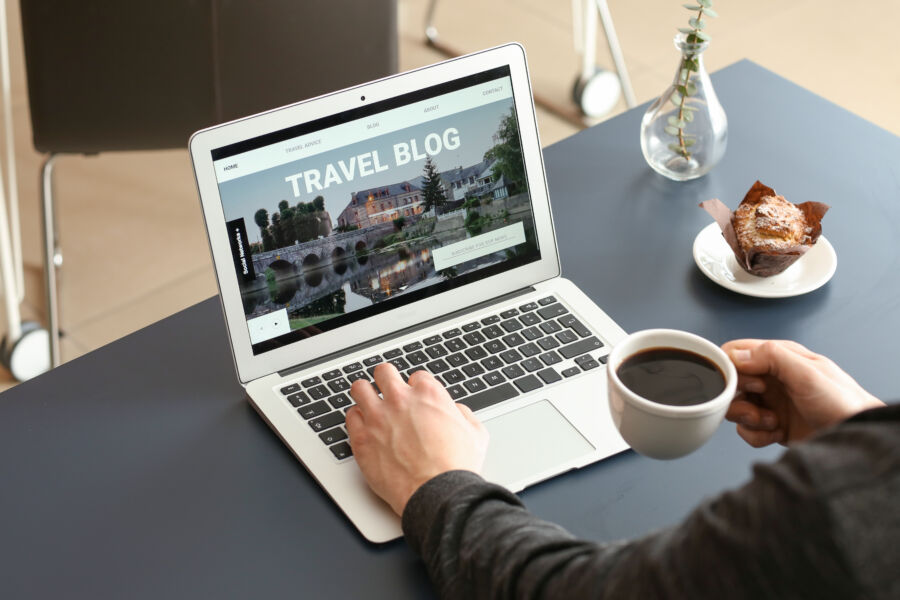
x=107 y=75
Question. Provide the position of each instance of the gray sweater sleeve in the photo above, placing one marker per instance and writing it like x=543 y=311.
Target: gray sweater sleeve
x=783 y=534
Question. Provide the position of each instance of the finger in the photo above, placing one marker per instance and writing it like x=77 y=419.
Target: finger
x=753 y=384
x=767 y=357
x=468 y=414
x=365 y=396
x=388 y=379
x=752 y=416
x=419 y=378
x=758 y=438
x=355 y=423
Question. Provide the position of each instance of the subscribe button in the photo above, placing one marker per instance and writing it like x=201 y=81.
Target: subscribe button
x=478 y=246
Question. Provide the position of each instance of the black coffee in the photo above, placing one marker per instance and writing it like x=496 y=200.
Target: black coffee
x=672 y=376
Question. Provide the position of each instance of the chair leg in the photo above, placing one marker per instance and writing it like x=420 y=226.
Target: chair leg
x=52 y=257
x=431 y=32
x=616 y=51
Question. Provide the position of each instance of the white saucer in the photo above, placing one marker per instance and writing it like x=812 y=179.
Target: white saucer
x=714 y=257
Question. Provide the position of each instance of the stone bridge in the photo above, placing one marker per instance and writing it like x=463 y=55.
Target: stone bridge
x=321 y=251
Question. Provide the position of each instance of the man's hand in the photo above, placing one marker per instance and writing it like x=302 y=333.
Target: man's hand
x=786 y=392
x=415 y=433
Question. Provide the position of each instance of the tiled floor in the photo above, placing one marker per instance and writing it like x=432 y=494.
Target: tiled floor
x=146 y=202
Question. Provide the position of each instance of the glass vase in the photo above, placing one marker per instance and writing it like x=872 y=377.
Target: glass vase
x=684 y=133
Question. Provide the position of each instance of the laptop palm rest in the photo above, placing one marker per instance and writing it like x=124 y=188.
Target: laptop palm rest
x=533 y=440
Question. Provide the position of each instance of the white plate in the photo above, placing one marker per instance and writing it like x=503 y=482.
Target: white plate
x=714 y=257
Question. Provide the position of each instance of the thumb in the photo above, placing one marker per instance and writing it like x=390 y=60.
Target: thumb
x=769 y=357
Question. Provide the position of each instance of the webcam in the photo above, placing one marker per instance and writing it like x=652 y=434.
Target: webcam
x=362 y=98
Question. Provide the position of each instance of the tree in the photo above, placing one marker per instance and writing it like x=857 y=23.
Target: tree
x=433 y=188
x=283 y=205
x=508 y=153
x=319 y=203
x=262 y=221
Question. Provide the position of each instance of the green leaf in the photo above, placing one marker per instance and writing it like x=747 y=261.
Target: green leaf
x=685 y=73
x=671 y=130
x=688 y=116
x=708 y=12
x=691 y=89
x=689 y=108
x=702 y=36
x=682 y=90
x=675 y=148
x=689 y=143
x=694 y=64
x=672 y=121
x=685 y=30
x=705 y=3
x=692 y=6
x=676 y=122
x=676 y=99
x=697 y=23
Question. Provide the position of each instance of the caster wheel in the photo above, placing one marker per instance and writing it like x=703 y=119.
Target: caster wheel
x=597 y=95
x=28 y=356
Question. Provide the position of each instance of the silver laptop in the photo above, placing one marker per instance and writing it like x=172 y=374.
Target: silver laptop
x=406 y=221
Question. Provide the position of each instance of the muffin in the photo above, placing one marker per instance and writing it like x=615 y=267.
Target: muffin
x=766 y=232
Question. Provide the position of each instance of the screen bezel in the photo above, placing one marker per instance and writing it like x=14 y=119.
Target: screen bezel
x=202 y=143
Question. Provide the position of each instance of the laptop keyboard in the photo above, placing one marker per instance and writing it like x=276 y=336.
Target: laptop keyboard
x=481 y=363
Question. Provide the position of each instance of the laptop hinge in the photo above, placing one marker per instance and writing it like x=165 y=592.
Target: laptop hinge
x=397 y=334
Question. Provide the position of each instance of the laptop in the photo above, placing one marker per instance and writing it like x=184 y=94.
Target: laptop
x=405 y=220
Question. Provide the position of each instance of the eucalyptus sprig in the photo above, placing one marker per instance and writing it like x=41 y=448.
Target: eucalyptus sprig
x=685 y=87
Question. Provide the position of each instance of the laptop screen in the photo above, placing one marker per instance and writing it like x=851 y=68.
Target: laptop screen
x=342 y=218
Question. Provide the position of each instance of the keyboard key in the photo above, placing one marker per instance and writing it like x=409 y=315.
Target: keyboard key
x=491 y=362
x=552 y=311
x=529 y=350
x=492 y=332
x=494 y=346
x=508 y=314
x=549 y=375
x=310 y=382
x=512 y=371
x=290 y=389
x=437 y=366
x=474 y=385
x=331 y=374
x=510 y=357
x=529 y=319
x=528 y=307
x=532 y=333
x=582 y=359
x=547 y=300
x=490 y=397
x=474 y=338
x=352 y=367
x=298 y=399
x=471 y=326
x=318 y=392
x=476 y=353
x=412 y=347
x=417 y=358
x=339 y=385
x=456 y=392
x=333 y=435
x=571 y=371
x=454 y=376
x=452 y=333
x=399 y=363
x=457 y=360
x=372 y=361
x=528 y=383
x=436 y=351
x=550 y=358
x=511 y=325
x=393 y=353
x=589 y=364
x=434 y=339
x=473 y=369
x=566 y=337
x=490 y=320
x=576 y=325
x=602 y=359
x=548 y=343
x=341 y=450
x=327 y=421
x=455 y=345
x=513 y=339
x=550 y=327
x=494 y=378
x=358 y=375
x=532 y=364
x=314 y=410
x=340 y=401
x=581 y=347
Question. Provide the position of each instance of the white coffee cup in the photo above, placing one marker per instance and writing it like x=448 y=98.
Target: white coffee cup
x=661 y=430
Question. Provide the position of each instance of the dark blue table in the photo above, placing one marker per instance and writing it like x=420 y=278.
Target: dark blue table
x=140 y=471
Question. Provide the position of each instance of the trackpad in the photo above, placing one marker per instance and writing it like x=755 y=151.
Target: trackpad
x=530 y=443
